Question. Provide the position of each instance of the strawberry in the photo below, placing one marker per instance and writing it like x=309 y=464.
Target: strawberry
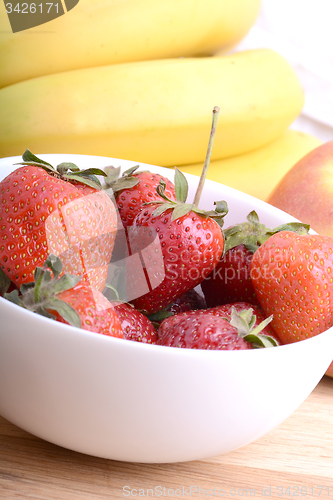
x=223 y=311
x=230 y=280
x=135 y=325
x=133 y=190
x=71 y=300
x=222 y=330
x=189 y=301
x=67 y=299
x=180 y=245
x=62 y=211
x=96 y=313
x=292 y=278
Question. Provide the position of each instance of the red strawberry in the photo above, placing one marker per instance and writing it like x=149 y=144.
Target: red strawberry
x=293 y=279
x=135 y=325
x=208 y=330
x=180 y=246
x=96 y=313
x=67 y=299
x=132 y=190
x=189 y=301
x=230 y=281
x=204 y=332
x=64 y=212
x=223 y=311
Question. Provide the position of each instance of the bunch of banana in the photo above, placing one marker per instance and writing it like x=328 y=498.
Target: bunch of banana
x=258 y=172
x=156 y=112
x=136 y=79
x=102 y=32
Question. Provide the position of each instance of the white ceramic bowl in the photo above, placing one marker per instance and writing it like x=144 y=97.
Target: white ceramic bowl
x=128 y=401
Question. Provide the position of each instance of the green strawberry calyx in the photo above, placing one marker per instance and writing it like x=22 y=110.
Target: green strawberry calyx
x=159 y=316
x=126 y=181
x=180 y=207
x=4 y=283
x=245 y=321
x=252 y=234
x=40 y=297
x=66 y=170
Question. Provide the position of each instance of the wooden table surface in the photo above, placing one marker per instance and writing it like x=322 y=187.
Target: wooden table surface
x=293 y=460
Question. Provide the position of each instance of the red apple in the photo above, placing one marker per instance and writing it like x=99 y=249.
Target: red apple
x=306 y=192
x=329 y=371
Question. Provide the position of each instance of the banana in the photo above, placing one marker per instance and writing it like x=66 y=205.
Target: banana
x=258 y=172
x=156 y=112
x=103 y=32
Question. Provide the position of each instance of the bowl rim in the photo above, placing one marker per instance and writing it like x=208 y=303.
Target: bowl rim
x=110 y=341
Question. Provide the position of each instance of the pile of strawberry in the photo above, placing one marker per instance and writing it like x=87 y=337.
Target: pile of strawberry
x=61 y=229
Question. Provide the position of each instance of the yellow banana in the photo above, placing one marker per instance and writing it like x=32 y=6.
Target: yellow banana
x=258 y=172
x=156 y=112
x=102 y=32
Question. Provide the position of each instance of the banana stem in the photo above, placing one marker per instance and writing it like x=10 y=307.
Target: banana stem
x=198 y=193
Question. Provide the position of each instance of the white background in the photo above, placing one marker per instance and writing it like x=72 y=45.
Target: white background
x=302 y=32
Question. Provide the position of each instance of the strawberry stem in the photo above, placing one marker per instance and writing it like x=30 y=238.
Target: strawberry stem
x=198 y=193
